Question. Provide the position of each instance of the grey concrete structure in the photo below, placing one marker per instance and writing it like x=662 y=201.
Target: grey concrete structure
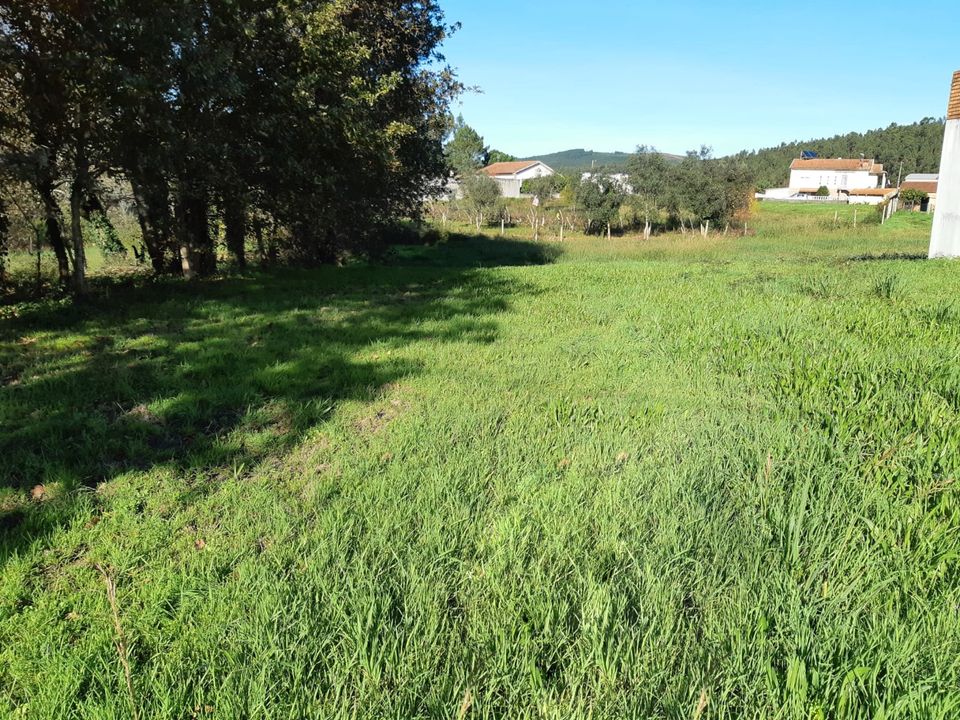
x=945 y=237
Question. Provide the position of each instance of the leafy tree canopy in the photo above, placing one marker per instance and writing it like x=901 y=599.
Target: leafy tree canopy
x=465 y=151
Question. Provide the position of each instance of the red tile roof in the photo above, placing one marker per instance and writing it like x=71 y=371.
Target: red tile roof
x=927 y=187
x=835 y=164
x=953 y=107
x=508 y=168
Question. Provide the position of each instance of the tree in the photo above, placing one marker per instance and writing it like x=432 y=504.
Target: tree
x=321 y=120
x=496 y=156
x=911 y=197
x=465 y=150
x=599 y=198
x=4 y=242
x=648 y=173
x=540 y=190
x=481 y=194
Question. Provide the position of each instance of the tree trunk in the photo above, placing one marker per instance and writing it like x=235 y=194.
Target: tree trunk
x=76 y=233
x=152 y=205
x=79 y=189
x=52 y=216
x=196 y=245
x=235 y=220
x=608 y=231
x=258 y=233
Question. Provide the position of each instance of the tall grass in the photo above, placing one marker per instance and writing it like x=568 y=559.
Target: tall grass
x=710 y=478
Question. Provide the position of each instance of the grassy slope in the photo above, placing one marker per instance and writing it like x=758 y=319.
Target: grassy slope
x=621 y=484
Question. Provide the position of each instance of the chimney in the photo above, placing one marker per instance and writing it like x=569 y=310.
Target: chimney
x=945 y=238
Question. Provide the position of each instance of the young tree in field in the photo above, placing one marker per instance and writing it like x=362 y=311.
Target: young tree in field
x=599 y=198
x=481 y=194
x=701 y=191
x=648 y=175
x=540 y=190
x=465 y=150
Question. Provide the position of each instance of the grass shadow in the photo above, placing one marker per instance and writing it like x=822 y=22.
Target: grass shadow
x=874 y=257
x=219 y=373
x=458 y=250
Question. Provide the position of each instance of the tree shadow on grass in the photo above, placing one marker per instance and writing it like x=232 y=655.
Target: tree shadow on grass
x=474 y=251
x=220 y=373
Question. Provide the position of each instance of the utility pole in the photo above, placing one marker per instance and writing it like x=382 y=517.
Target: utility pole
x=899 y=174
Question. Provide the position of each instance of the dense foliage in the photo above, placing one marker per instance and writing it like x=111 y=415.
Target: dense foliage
x=310 y=124
x=698 y=191
x=916 y=145
x=465 y=150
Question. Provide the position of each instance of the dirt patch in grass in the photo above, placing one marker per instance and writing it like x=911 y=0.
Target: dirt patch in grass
x=386 y=413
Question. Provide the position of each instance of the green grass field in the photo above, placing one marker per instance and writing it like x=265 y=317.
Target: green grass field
x=690 y=478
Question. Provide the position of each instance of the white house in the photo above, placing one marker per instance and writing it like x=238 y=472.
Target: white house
x=510 y=175
x=837 y=175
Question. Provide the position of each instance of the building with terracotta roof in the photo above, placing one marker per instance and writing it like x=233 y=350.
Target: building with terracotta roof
x=870 y=196
x=510 y=175
x=924 y=182
x=837 y=175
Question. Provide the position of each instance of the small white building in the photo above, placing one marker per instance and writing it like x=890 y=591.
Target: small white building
x=871 y=196
x=837 y=175
x=510 y=175
x=924 y=182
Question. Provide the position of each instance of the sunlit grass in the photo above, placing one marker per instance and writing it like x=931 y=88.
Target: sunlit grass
x=496 y=479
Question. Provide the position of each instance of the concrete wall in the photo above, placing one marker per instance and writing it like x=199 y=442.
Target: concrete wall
x=945 y=238
x=509 y=186
x=866 y=199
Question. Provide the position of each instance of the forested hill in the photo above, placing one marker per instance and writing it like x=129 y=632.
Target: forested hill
x=580 y=159
x=917 y=145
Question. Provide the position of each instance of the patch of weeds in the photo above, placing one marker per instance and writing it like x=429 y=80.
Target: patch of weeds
x=820 y=287
x=886 y=287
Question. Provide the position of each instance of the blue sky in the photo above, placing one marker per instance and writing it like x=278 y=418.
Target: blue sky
x=612 y=74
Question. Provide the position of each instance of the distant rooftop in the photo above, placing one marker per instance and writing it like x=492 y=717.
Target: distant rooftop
x=837 y=164
x=509 y=168
x=872 y=192
x=925 y=182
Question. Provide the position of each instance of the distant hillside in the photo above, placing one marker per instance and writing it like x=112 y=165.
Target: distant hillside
x=917 y=146
x=580 y=159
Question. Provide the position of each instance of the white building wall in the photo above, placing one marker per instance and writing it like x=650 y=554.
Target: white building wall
x=509 y=185
x=538 y=170
x=866 y=199
x=833 y=179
